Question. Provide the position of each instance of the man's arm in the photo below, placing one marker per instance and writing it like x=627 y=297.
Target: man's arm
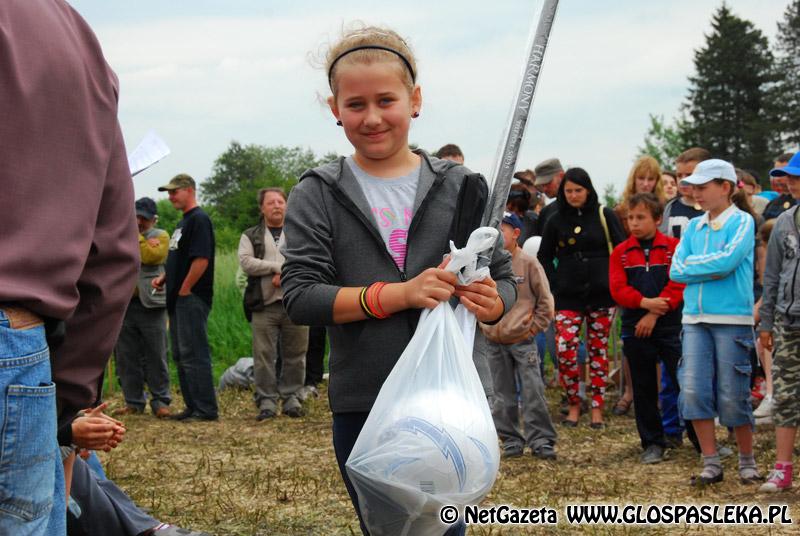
x=196 y=271
x=252 y=265
x=154 y=250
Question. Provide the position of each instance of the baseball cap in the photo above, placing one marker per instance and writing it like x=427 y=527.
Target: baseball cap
x=792 y=168
x=512 y=219
x=546 y=170
x=182 y=180
x=146 y=208
x=708 y=170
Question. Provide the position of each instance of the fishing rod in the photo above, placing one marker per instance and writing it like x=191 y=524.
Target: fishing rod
x=510 y=143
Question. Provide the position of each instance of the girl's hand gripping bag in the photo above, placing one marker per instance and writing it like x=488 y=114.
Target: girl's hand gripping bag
x=429 y=440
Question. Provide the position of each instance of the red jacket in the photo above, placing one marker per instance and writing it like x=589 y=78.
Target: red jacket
x=634 y=275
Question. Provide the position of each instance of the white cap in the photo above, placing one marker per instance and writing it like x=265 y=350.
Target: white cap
x=708 y=170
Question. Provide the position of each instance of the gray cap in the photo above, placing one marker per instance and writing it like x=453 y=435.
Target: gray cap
x=146 y=208
x=546 y=170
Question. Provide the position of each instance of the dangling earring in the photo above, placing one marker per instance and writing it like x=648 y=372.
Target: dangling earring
x=338 y=123
x=415 y=115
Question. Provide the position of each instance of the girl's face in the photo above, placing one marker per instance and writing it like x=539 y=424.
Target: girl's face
x=712 y=196
x=375 y=108
x=576 y=194
x=670 y=186
x=644 y=184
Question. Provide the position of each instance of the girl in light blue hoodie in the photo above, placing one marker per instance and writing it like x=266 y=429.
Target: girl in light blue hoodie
x=715 y=260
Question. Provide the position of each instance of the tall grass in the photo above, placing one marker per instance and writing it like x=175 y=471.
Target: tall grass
x=229 y=333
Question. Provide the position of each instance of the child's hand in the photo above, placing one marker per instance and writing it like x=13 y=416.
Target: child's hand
x=658 y=306
x=644 y=328
x=95 y=433
x=481 y=299
x=429 y=288
x=765 y=338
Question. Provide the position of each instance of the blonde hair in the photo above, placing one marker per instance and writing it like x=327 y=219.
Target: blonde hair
x=647 y=166
x=365 y=36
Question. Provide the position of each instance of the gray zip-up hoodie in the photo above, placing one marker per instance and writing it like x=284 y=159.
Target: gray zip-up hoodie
x=332 y=241
x=781 y=279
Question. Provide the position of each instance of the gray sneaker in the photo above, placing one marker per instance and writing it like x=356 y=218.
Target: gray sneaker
x=511 y=451
x=674 y=441
x=172 y=530
x=652 y=454
x=545 y=452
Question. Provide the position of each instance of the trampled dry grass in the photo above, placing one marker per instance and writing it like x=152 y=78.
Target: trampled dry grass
x=240 y=477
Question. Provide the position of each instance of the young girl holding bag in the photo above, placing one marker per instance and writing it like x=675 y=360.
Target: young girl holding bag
x=366 y=234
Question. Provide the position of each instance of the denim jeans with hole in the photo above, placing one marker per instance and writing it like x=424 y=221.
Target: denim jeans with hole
x=32 y=500
x=714 y=373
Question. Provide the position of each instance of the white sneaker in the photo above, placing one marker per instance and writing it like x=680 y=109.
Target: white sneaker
x=766 y=407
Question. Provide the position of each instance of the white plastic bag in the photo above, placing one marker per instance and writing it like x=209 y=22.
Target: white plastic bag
x=429 y=440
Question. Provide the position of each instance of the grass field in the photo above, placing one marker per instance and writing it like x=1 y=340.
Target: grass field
x=241 y=477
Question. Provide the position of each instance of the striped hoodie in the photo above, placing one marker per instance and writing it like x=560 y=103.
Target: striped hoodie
x=715 y=260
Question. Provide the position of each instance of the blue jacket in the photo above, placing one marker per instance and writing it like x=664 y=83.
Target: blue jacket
x=715 y=260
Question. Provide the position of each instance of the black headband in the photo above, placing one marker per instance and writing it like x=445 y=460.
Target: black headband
x=373 y=47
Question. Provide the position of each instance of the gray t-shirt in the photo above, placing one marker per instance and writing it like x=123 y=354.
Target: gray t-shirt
x=392 y=204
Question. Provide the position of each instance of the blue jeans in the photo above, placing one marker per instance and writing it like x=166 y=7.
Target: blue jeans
x=714 y=373
x=188 y=329
x=32 y=500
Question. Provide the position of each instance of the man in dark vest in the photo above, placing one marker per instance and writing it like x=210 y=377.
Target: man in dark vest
x=261 y=260
x=141 y=351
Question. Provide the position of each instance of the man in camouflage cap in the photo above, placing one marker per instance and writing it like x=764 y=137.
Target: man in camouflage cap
x=190 y=288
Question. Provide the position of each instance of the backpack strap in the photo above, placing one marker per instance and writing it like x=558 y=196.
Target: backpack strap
x=472 y=199
x=604 y=223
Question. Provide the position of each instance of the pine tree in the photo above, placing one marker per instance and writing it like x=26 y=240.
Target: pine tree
x=787 y=91
x=728 y=106
x=663 y=141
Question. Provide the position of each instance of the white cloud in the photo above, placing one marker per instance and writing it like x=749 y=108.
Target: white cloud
x=203 y=80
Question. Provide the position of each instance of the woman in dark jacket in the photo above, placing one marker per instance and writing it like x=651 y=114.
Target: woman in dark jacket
x=576 y=245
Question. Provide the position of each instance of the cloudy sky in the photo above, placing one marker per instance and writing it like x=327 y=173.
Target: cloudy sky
x=205 y=72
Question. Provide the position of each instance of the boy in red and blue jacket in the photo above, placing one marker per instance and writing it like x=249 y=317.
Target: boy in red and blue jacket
x=651 y=314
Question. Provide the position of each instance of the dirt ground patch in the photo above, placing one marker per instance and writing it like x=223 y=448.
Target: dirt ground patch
x=241 y=477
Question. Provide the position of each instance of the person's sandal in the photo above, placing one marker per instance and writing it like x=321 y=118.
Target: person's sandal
x=622 y=407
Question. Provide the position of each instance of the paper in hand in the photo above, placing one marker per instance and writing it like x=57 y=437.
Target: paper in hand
x=149 y=151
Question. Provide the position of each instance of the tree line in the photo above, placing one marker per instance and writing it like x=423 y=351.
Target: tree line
x=743 y=105
x=743 y=102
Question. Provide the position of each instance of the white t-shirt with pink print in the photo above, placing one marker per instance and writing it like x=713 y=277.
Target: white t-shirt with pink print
x=392 y=204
